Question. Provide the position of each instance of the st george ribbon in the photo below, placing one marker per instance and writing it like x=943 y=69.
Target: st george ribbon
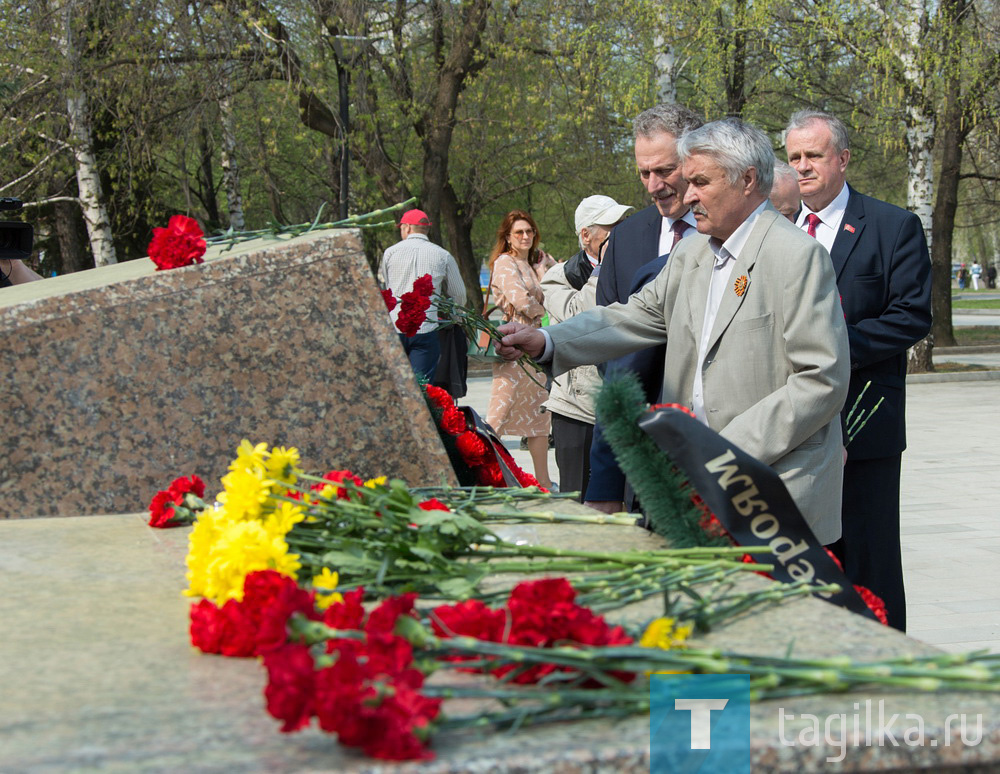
x=751 y=501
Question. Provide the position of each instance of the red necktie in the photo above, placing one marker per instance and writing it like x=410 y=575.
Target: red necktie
x=679 y=227
x=812 y=219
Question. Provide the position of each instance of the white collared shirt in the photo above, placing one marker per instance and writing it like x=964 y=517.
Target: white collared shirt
x=667 y=231
x=726 y=253
x=831 y=216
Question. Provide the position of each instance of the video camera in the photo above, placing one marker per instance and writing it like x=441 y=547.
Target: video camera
x=16 y=238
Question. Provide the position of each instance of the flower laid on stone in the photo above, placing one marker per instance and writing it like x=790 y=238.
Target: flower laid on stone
x=354 y=592
x=178 y=504
x=361 y=672
x=181 y=243
x=438 y=541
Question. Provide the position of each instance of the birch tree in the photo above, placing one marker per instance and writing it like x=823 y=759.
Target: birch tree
x=92 y=202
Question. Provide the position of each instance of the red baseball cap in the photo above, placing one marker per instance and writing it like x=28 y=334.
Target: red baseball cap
x=415 y=218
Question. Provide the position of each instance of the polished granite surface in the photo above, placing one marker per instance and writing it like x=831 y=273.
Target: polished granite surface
x=121 y=378
x=98 y=675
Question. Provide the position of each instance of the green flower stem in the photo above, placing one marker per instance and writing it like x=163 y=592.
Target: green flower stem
x=359 y=221
x=774 y=676
x=557 y=518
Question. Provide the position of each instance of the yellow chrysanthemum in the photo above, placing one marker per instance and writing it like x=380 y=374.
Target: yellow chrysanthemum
x=371 y=483
x=284 y=517
x=223 y=551
x=325 y=583
x=283 y=464
x=328 y=492
x=246 y=492
x=249 y=456
x=666 y=634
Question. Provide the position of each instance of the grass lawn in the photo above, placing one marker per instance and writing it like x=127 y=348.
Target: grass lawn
x=974 y=335
x=953 y=368
x=975 y=303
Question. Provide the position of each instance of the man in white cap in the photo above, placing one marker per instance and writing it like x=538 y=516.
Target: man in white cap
x=404 y=262
x=571 y=288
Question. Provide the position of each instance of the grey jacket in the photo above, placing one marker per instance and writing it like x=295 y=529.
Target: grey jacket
x=777 y=368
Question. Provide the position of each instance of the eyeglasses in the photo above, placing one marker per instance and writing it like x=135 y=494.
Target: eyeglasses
x=523 y=232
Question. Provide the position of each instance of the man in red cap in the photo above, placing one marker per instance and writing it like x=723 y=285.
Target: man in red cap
x=401 y=264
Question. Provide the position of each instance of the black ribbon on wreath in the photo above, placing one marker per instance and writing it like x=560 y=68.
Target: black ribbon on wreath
x=751 y=502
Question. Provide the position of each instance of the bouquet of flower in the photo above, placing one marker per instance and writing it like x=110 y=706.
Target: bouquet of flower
x=362 y=675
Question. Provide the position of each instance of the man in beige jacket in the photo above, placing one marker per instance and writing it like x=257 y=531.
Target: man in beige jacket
x=749 y=311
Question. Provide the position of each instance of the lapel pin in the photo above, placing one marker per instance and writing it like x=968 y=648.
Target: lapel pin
x=740 y=286
x=848 y=227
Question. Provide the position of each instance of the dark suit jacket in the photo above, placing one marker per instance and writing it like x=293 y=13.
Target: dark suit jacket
x=632 y=246
x=883 y=274
x=634 y=242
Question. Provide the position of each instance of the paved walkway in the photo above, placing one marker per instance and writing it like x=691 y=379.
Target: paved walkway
x=950 y=503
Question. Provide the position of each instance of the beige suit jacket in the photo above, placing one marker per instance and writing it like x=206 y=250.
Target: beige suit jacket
x=777 y=368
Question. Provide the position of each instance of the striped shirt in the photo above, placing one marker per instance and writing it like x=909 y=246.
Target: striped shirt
x=415 y=256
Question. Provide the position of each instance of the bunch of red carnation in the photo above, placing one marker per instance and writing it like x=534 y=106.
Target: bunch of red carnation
x=538 y=614
x=255 y=624
x=363 y=689
x=181 y=243
x=475 y=453
x=176 y=505
x=413 y=305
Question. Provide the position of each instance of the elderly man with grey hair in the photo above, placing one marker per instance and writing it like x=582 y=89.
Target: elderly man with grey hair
x=748 y=309
x=785 y=191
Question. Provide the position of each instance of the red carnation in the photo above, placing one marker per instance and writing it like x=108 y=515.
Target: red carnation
x=339 y=477
x=412 y=313
x=389 y=298
x=453 y=421
x=348 y=614
x=438 y=396
x=424 y=285
x=162 y=510
x=206 y=627
x=383 y=618
x=490 y=475
x=472 y=448
x=432 y=505
x=269 y=600
x=290 y=686
x=181 y=243
x=402 y=719
x=471 y=618
x=874 y=602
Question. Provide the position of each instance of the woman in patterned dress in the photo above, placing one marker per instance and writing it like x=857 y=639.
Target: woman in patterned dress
x=516 y=401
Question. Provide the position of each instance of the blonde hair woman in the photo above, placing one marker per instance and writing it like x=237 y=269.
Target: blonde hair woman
x=516 y=264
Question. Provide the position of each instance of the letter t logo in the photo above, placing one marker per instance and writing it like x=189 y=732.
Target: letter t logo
x=701 y=719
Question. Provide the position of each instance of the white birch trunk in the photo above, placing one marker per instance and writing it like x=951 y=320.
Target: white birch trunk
x=230 y=166
x=666 y=70
x=920 y=125
x=88 y=178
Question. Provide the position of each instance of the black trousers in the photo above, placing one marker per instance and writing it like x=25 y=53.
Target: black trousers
x=572 y=439
x=869 y=548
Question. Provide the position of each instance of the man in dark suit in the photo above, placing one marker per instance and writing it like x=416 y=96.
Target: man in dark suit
x=879 y=254
x=644 y=237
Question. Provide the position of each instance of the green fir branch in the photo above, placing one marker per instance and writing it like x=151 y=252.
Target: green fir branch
x=662 y=489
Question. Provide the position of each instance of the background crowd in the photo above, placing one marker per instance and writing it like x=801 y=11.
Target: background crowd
x=767 y=297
